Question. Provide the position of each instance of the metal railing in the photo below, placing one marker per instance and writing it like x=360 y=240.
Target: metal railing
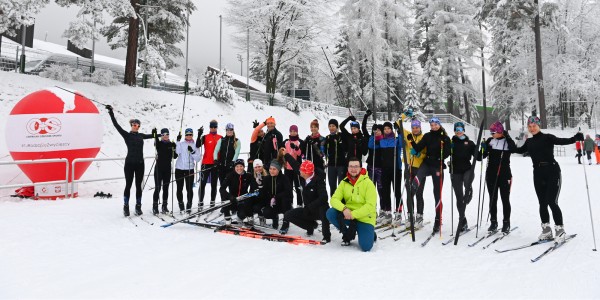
x=39 y=161
x=80 y=160
x=560 y=151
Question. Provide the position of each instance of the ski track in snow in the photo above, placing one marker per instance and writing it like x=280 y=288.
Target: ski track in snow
x=84 y=248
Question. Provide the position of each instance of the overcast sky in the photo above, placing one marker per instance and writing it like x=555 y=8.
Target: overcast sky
x=52 y=21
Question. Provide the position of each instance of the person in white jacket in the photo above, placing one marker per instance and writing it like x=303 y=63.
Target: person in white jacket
x=187 y=156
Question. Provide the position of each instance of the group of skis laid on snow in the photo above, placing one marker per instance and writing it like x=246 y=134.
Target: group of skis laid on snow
x=395 y=159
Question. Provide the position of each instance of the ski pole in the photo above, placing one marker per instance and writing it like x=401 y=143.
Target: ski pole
x=451 y=188
x=153 y=163
x=480 y=181
x=441 y=179
x=484 y=187
x=335 y=79
x=589 y=203
x=74 y=93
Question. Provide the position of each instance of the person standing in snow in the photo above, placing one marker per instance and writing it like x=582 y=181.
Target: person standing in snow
x=314 y=146
x=391 y=173
x=597 y=149
x=236 y=183
x=165 y=152
x=293 y=147
x=375 y=162
x=547 y=177
x=437 y=144
x=134 y=161
x=462 y=150
x=353 y=139
x=276 y=193
x=272 y=141
x=209 y=168
x=256 y=141
x=354 y=207
x=315 y=198
x=335 y=151
x=498 y=175
x=187 y=156
x=588 y=146
x=578 y=147
x=226 y=152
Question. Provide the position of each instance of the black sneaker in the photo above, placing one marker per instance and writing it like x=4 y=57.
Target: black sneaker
x=506 y=227
x=138 y=210
x=126 y=210
x=493 y=226
x=165 y=210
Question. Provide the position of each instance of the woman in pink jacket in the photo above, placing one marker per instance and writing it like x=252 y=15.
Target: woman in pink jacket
x=293 y=146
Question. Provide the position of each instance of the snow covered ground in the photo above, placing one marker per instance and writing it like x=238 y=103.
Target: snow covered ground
x=84 y=248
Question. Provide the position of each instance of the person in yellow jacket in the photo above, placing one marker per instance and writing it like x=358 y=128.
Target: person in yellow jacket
x=354 y=206
x=414 y=162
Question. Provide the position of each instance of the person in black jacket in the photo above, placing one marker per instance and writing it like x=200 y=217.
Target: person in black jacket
x=165 y=152
x=313 y=148
x=134 y=161
x=276 y=194
x=272 y=141
x=335 y=151
x=462 y=150
x=546 y=175
x=353 y=139
x=236 y=183
x=437 y=144
x=256 y=141
x=498 y=175
x=314 y=193
x=371 y=148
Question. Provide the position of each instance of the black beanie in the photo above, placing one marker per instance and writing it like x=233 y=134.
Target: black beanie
x=334 y=122
x=388 y=124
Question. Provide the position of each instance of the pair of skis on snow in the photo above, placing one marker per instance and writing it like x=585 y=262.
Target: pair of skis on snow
x=550 y=249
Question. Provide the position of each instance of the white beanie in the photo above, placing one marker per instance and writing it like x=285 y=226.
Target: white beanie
x=257 y=163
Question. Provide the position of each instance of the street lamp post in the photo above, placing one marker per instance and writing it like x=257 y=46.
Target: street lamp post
x=241 y=60
x=220 y=41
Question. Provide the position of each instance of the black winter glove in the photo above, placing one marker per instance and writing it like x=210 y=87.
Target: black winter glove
x=352 y=118
x=179 y=137
x=369 y=112
x=410 y=137
x=255 y=124
x=200 y=131
x=579 y=136
x=154 y=131
x=396 y=127
x=294 y=146
x=109 y=108
x=190 y=149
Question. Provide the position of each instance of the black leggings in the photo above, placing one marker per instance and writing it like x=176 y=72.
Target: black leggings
x=295 y=181
x=186 y=176
x=503 y=183
x=162 y=179
x=458 y=182
x=419 y=191
x=547 y=181
x=300 y=217
x=335 y=175
x=437 y=178
x=213 y=172
x=131 y=170
x=387 y=180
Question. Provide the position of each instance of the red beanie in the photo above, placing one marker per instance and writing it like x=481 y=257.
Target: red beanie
x=307 y=167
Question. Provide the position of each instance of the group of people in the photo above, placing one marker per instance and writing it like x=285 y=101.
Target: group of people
x=279 y=168
x=589 y=145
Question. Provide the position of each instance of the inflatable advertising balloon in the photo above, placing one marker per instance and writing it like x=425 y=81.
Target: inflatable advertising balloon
x=53 y=123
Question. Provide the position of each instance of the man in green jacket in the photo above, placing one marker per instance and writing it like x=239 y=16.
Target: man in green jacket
x=588 y=146
x=354 y=206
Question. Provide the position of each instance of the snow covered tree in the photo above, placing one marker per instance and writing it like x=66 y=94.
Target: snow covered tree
x=217 y=85
x=14 y=13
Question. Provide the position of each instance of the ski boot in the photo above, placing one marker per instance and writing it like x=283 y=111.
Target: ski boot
x=326 y=240
x=436 y=225
x=310 y=231
x=138 y=209
x=126 y=210
x=165 y=210
x=506 y=227
x=493 y=226
x=418 y=220
x=228 y=220
x=155 y=209
x=560 y=233
x=284 y=227
x=463 y=226
x=262 y=221
x=546 y=232
x=397 y=221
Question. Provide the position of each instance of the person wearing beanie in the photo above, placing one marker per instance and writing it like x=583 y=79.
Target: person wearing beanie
x=209 y=167
x=546 y=175
x=276 y=194
x=372 y=148
x=253 y=205
x=353 y=139
x=314 y=195
x=498 y=174
x=134 y=161
x=293 y=146
x=235 y=184
x=256 y=141
x=227 y=152
x=187 y=157
x=391 y=175
x=415 y=160
x=588 y=146
x=437 y=144
x=272 y=141
x=335 y=151
x=314 y=146
x=165 y=152
x=462 y=150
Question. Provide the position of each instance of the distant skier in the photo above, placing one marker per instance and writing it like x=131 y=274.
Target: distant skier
x=209 y=168
x=134 y=161
x=462 y=151
x=226 y=152
x=187 y=156
x=578 y=147
x=354 y=207
x=236 y=183
x=588 y=146
x=597 y=148
x=165 y=152
x=293 y=146
x=547 y=177
x=335 y=151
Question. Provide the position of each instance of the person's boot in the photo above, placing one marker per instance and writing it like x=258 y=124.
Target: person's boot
x=463 y=226
x=275 y=222
x=546 y=232
x=418 y=220
x=138 y=209
x=188 y=207
x=310 y=231
x=155 y=208
x=126 y=210
x=493 y=226
x=165 y=210
x=506 y=227
x=284 y=227
x=560 y=233
x=181 y=207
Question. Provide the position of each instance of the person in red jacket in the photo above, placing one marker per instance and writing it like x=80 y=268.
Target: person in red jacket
x=208 y=168
x=578 y=148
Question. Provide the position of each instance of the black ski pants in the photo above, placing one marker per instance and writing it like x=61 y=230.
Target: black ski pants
x=502 y=184
x=547 y=181
x=335 y=175
x=133 y=170
x=186 y=176
x=295 y=181
x=458 y=182
x=162 y=179
x=249 y=207
x=303 y=218
x=437 y=178
x=418 y=192
x=388 y=182
x=213 y=172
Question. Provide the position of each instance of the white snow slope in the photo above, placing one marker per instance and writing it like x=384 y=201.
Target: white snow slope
x=84 y=248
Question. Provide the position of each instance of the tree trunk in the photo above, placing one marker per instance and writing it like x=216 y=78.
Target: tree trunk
x=465 y=97
x=483 y=83
x=132 y=47
x=449 y=90
x=539 y=66
x=373 y=87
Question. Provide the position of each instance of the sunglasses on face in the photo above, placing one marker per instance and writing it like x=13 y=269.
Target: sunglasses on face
x=189 y=134
x=459 y=129
x=165 y=134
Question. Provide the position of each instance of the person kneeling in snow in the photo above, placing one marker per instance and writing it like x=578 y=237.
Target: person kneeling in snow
x=354 y=206
x=236 y=183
